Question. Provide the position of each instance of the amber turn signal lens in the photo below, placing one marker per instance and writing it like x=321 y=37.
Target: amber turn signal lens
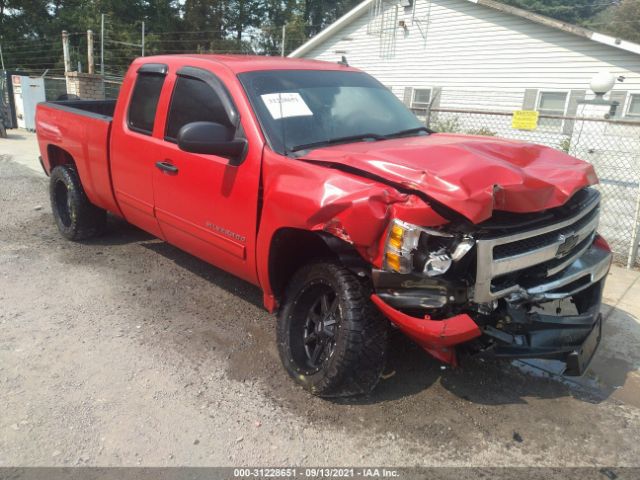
x=396 y=236
x=393 y=261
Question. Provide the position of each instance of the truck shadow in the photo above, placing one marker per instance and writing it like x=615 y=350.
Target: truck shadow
x=120 y=232
x=13 y=135
x=411 y=373
x=501 y=382
x=232 y=284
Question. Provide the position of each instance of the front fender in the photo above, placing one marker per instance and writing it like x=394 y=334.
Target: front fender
x=317 y=198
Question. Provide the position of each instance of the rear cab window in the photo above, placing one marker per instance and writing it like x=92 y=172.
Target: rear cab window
x=144 y=99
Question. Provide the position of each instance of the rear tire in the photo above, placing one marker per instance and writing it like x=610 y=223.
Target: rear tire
x=331 y=339
x=75 y=216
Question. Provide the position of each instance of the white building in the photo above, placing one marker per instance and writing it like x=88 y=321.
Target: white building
x=478 y=54
x=473 y=62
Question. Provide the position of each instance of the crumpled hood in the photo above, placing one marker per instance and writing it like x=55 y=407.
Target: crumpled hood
x=472 y=175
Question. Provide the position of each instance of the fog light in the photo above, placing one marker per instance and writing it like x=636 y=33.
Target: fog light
x=437 y=264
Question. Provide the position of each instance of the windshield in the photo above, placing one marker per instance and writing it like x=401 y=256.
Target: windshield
x=303 y=109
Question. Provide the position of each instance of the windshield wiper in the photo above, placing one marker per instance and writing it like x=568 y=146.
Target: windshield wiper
x=333 y=141
x=408 y=131
x=356 y=138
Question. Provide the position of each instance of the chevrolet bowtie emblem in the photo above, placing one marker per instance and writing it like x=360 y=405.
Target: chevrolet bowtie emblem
x=567 y=244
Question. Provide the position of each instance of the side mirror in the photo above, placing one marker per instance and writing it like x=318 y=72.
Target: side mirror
x=212 y=139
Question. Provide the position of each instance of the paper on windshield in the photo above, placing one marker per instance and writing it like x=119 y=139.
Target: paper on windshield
x=284 y=105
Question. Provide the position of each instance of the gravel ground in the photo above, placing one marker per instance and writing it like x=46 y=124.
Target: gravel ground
x=126 y=351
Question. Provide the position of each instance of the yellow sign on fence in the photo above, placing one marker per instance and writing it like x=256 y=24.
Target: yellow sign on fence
x=525 y=120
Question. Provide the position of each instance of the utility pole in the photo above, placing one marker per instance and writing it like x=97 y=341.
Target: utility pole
x=102 y=44
x=90 y=67
x=65 y=51
x=284 y=37
x=1 y=58
x=142 y=39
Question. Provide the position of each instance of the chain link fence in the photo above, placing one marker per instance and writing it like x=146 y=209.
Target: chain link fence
x=54 y=88
x=611 y=146
x=112 y=86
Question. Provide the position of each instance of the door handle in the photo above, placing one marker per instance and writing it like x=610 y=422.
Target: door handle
x=167 y=167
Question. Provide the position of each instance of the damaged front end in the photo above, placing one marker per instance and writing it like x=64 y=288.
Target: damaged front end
x=515 y=286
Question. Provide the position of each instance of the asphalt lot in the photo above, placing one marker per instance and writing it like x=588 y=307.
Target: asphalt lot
x=126 y=351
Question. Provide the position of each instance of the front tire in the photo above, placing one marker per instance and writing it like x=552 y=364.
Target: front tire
x=331 y=339
x=76 y=217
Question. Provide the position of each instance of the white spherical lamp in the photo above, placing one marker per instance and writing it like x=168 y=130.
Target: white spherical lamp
x=602 y=82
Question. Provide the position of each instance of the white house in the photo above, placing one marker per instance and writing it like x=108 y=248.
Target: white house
x=466 y=58
x=478 y=54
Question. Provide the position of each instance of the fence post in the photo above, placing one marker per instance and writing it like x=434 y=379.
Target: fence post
x=284 y=36
x=633 y=248
x=65 y=51
x=102 y=44
x=90 y=67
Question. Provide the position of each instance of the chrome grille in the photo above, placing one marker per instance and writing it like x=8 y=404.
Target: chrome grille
x=538 y=253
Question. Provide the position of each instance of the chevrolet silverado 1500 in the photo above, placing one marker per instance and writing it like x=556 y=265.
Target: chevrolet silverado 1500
x=314 y=182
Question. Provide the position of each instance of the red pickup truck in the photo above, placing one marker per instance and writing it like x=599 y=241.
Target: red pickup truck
x=314 y=182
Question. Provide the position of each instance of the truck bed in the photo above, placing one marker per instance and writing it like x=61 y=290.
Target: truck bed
x=79 y=129
x=101 y=108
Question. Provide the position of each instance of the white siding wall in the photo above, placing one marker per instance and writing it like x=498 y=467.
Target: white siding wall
x=482 y=58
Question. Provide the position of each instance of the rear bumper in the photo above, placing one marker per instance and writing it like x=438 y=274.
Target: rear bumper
x=572 y=339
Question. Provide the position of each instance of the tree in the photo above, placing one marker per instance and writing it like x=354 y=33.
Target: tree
x=30 y=30
x=25 y=32
x=243 y=15
x=277 y=14
x=620 y=21
x=566 y=10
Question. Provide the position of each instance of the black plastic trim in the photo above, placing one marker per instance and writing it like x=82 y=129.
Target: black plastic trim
x=146 y=69
x=42 y=165
x=221 y=90
x=153 y=69
x=59 y=105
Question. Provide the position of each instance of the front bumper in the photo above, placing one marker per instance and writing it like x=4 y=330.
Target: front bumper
x=570 y=338
x=438 y=337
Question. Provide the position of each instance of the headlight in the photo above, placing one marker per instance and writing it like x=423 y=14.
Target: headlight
x=412 y=248
x=402 y=241
x=437 y=263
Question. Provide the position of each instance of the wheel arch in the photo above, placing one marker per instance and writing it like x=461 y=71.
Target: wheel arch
x=57 y=156
x=291 y=248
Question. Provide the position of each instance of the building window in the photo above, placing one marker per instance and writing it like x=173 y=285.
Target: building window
x=633 y=110
x=421 y=98
x=552 y=103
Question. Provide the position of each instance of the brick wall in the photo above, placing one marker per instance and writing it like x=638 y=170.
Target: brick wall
x=85 y=85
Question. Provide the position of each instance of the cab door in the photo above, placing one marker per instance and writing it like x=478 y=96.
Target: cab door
x=134 y=148
x=205 y=205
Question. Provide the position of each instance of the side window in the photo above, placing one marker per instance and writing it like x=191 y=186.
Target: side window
x=144 y=102
x=193 y=101
x=633 y=109
x=421 y=98
x=552 y=103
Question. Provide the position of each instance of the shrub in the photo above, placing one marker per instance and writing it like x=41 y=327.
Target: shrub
x=447 y=125
x=482 y=131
